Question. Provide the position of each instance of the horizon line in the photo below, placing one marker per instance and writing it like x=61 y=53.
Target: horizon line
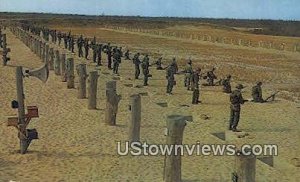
x=143 y=16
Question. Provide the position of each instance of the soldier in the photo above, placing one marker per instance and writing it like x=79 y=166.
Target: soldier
x=171 y=71
x=145 y=66
x=109 y=54
x=95 y=49
x=65 y=41
x=86 y=48
x=195 y=86
x=127 y=55
x=79 y=46
x=174 y=63
x=72 y=43
x=59 y=38
x=137 y=62
x=116 y=61
x=158 y=64
x=99 y=50
x=236 y=99
x=188 y=74
x=226 y=84
x=211 y=76
x=257 y=93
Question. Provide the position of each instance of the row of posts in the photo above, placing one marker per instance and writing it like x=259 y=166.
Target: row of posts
x=214 y=39
x=245 y=170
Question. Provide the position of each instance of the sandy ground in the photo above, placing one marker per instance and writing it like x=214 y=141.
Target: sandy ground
x=76 y=145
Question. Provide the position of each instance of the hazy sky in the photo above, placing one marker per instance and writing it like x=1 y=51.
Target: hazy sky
x=253 y=9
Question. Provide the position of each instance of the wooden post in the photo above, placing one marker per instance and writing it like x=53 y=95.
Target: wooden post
x=245 y=167
x=81 y=71
x=70 y=73
x=43 y=52
x=51 y=59
x=57 y=63
x=135 y=123
x=40 y=49
x=93 y=82
x=21 y=110
x=112 y=101
x=63 y=68
x=175 y=128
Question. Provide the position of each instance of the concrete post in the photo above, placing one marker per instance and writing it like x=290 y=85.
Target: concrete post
x=57 y=63
x=135 y=123
x=92 y=91
x=70 y=73
x=175 y=128
x=112 y=101
x=81 y=71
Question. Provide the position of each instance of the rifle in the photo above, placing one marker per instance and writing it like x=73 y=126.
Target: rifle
x=272 y=96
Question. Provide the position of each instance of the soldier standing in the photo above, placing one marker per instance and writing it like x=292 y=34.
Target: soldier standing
x=99 y=50
x=188 y=74
x=137 y=62
x=116 y=61
x=158 y=63
x=79 y=45
x=236 y=99
x=226 y=84
x=95 y=49
x=86 y=48
x=109 y=54
x=211 y=77
x=127 y=55
x=72 y=43
x=257 y=93
x=145 y=66
x=171 y=71
x=65 y=41
x=195 y=86
x=59 y=38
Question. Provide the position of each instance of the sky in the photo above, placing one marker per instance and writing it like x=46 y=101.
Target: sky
x=243 y=9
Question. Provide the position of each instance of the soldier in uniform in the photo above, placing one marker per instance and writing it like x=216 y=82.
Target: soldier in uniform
x=145 y=66
x=72 y=43
x=226 y=84
x=116 y=61
x=65 y=41
x=211 y=77
x=99 y=50
x=127 y=55
x=137 y=62
x=109 y=54
x=257 y=93
x=158 y=63
x=188 y=74
x=86 y=48
x=79 y=45
x=195 y=86
x=236 y=99
x=170 y=76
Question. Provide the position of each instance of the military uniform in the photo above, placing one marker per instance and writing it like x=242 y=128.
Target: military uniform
x=116 y=61
x=145 y=66
x=226 y=84
x=236 y=99
x=99 y=54
x=170 y=75
x=86 y=48
x=188 y=75
x=211 y=77
x=158 y=64
x=257 y=93
x=195 y=86
x=127 y=55
x=79 y=45
x=109 y=55
x=137 y=62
